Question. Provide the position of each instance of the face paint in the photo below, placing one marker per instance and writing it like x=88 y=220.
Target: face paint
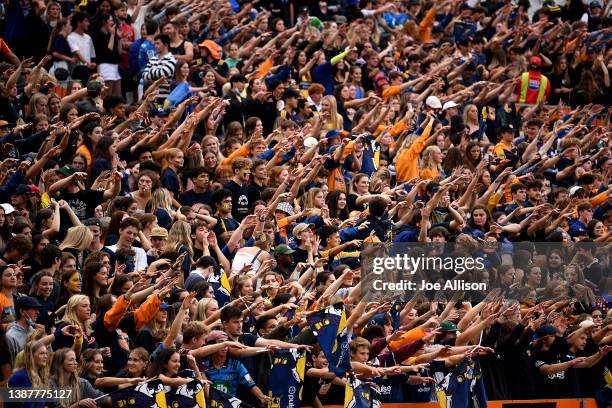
x=245 y=172
x=74 y=283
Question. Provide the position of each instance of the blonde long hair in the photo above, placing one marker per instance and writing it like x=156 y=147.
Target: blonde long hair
x=171 y=152
x=428 y=162
x=200 y=312
x=466 y=116
x=78 y=238
x=32 y=111
x=161 y=198
x=39 y=376
x=179 y=234
x=70 y=314
x=335 y=120
x=64 y=379
x=309 y=198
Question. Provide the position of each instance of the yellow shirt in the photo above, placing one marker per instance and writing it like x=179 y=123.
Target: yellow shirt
x=502 y=147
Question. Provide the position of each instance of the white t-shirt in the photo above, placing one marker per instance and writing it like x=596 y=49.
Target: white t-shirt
x=140 y=19
x=140 y=262
x=82 y=44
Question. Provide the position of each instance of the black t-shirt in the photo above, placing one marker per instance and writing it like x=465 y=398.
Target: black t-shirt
x=83 y=203
x=61 y=46
x=312 y=386
x=560 y=385
x=592 y=379
x=240 y=200
x=105 y=55
x=254 y=192
x=351 y=203
x=367 y=78
x=300 y=255
x=170 y=181
x=190 y=197
x=225 y=225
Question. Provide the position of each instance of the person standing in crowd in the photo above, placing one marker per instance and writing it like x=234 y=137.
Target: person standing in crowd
x=533 y=86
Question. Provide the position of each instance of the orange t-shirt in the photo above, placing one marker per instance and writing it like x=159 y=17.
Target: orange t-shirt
x=8 y=308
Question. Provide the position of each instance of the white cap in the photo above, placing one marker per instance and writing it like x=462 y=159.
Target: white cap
x=433 y=102
x=309 y=142
x=8 y=208
x=586 y=324
x=449 y=104
x=573 y=190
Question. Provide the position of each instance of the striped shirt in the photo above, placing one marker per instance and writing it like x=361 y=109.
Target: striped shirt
x=158 y=67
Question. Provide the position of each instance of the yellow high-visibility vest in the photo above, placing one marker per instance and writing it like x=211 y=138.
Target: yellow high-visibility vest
x=525 y=85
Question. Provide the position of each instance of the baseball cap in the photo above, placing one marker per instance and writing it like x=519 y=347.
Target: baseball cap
x=546 y=330
x=352 y=262
x=378 y=319
x=216 y=336
x=159 y=232
x=34 y=189
x=536 y=61
x=285 y=207
x=283 y=250
x=27 y=302
x=433 y=102
x=8 y=208
x=332 y=134
x=449 y=104
x=575 y=190
x=22 y=189
x=67 y=170
x=155 y=112
x=448 y=326
x=309 y=142
x=94 y=87
x=437 y=29
x=506 y=129
x=165 y=306
x=340 y=19
x=212 y=47
x=586 y=324
x=301 y=227
x=92 y=221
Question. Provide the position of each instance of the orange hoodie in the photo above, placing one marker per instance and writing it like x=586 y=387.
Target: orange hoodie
x=407 y=161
